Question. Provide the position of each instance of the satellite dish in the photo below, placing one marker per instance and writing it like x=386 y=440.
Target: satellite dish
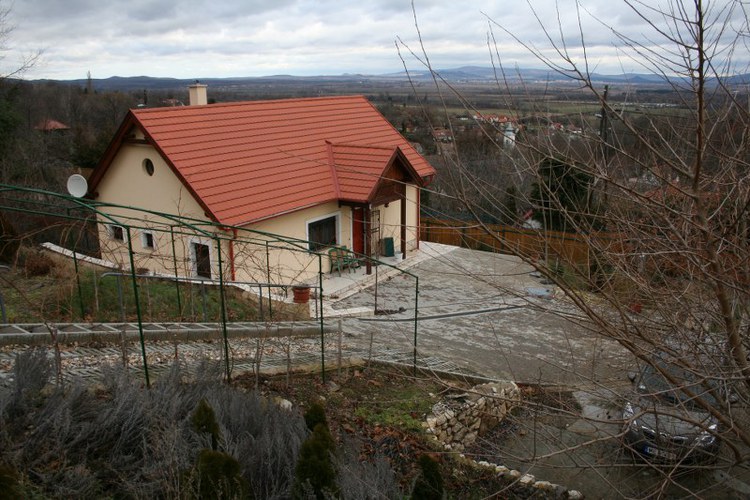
x=77 y=186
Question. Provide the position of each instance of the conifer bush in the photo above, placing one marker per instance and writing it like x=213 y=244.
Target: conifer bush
x=429 y=483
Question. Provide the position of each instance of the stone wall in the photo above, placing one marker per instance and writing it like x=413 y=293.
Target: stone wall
x=459 y=419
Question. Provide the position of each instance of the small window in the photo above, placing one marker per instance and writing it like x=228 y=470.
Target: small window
x=117 y=233
x=148 y=166
x=147 y=240
x=322 y=233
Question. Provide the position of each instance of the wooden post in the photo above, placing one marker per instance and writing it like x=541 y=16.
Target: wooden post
x=403 y=222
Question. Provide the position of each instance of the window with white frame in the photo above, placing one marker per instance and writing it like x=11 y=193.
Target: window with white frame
x=117 y=233
x=323 y=232
x=147 y=240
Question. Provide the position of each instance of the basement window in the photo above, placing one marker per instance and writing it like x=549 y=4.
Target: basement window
x=117 y=233
x=147 y=240
x=323 y=232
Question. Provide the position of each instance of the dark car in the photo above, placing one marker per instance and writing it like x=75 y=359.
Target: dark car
x=664 y=424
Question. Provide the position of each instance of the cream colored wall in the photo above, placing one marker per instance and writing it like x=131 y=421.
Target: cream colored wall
x=412 y=217
x=127 y=183
x=291 y=264
x=390 y=220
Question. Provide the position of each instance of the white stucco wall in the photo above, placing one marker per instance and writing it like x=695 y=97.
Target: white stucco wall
x=127 y=183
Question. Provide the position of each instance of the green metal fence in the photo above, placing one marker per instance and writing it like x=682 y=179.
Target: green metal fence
x=132 y=264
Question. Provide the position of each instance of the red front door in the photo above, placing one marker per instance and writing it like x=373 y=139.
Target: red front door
x=358 y=230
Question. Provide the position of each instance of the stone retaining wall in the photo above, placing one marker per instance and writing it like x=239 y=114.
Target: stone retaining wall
x=459 y=419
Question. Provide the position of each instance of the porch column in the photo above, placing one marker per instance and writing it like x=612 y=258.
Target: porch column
x=403 y=220
x=368 y=243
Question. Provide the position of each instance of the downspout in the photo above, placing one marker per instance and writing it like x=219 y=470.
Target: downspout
x=419 y=216
x=231 y=254
x=368 y=254
x=402 y=214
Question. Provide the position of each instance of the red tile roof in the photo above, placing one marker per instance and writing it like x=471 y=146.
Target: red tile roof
x=252 y=160
x=49 y=125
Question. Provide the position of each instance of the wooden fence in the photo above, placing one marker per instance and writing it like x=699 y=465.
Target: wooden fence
x=567 y=248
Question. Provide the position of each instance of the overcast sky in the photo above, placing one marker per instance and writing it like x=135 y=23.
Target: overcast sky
x=233 y=38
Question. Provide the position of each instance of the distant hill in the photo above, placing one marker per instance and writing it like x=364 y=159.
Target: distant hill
x=464 y=74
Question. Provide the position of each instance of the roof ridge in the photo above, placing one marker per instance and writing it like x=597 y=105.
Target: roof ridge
x=249 y=103
x=363 y=146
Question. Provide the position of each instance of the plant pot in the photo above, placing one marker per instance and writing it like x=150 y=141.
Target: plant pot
x=301 y=294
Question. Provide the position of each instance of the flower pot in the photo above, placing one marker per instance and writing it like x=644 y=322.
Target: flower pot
x=301 y=294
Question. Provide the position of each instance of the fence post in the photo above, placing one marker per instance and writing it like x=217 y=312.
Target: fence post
x=322 y=336
x=340 y=335
x=176 y=278
x=203 y=300
x=268 y=280
x=75 y=266
x=223 y=308
x=137 y=307
x=416 y=314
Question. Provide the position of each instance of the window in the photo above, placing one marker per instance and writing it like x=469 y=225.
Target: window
x=201 y=260
x=322 y=233
x=147 y=240
x=148 y=166
x=117 y=233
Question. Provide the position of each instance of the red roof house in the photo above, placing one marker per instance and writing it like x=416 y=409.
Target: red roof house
x=330 y=170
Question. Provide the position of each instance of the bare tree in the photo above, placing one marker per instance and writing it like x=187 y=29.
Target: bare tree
x=661 y=195
x=6 y=30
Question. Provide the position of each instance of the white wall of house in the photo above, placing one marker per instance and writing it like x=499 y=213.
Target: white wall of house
x=128 y=182
x=287 y=265
x=390 y=220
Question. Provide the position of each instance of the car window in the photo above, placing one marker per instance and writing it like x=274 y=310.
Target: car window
x=652 y=382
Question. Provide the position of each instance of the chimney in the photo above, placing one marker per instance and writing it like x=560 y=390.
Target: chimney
x=198 y=94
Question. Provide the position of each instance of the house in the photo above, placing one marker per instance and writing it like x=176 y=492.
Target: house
x=328 y=171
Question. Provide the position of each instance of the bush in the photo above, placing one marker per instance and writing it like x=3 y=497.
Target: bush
x=315 y=415
x=37 y=264
x=204 y=422
x=219 y=475
x=429 y=483
x=315 y=466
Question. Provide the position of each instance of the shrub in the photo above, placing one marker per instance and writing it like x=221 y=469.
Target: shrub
x=37 y=264
x=315 y=465
x=429 y=483
x=315 y=415
x=219 y=475
x=204 y=421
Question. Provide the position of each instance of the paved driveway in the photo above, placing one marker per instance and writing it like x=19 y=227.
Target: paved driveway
x=486 y=313
x=477 y=312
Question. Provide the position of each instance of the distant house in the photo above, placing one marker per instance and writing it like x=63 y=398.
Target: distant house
x=329 y=170
x=442 y=135
x=50 y=125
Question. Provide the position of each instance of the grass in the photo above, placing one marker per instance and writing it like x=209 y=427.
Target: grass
x=56 y=296
x=402 y=407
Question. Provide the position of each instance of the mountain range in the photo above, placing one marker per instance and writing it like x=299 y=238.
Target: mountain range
x=464 y=74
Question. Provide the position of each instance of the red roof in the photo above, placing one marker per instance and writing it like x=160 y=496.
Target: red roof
x=49 y=125
x=252 y=160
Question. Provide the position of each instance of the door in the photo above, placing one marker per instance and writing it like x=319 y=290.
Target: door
x=202 y=260
x=358 y=230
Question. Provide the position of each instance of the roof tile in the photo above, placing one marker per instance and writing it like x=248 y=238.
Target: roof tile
x=252 y=160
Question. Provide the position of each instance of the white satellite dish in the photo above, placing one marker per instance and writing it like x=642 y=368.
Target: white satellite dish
x=77 y=186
